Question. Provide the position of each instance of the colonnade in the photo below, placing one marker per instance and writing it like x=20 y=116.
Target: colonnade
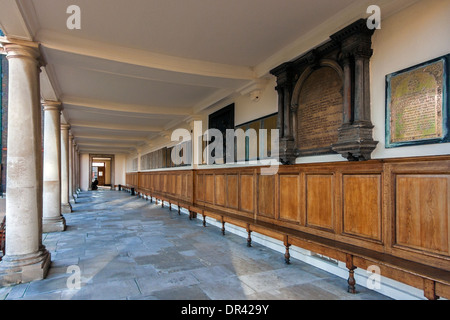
x=40 y=185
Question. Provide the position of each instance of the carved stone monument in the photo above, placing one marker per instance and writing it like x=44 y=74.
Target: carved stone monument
x=324 y=98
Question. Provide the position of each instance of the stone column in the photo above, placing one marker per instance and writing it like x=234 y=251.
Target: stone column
x=71 y=199
x=355 y=138
x=26 y=259
x=65 y=204
x=77 y=157
x=53 y=221
x=74 y=171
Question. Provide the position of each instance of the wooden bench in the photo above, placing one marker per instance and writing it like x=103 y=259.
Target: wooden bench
x=369 y=206
x=435 y=282
x=171 y=200
x=129 y=188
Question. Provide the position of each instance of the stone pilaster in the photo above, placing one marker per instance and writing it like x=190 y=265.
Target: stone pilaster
x=26 y=259
x=65 y=204
x=53 y=221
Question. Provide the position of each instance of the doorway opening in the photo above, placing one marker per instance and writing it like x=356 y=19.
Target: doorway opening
x=102 y=170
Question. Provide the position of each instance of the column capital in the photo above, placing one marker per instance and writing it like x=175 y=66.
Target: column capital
x=15 y=48
x=65 y=126
x=49 y=105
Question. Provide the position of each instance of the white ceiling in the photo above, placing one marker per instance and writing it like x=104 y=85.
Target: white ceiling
x=137 y=68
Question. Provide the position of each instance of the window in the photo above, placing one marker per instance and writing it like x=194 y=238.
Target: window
x=98 y=164
x=262 y=141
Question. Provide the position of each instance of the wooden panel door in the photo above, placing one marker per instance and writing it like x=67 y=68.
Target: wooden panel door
x=101 y=176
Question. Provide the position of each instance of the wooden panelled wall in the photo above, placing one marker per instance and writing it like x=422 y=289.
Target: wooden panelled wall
x=398 y=206
x=386 y=212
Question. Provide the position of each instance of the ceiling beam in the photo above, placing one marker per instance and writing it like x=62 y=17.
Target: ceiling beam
x=106 y=151
x=63 y=42
x=102 y=148
x=115 y=127
x=107 y=144
x=121 y=107
x=85 y=137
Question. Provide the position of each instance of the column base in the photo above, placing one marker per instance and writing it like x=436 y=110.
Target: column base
x=57 y=224
x=66 y=208
x=24 y=268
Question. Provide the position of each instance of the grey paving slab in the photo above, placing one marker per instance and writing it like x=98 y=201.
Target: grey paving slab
x=128 y=248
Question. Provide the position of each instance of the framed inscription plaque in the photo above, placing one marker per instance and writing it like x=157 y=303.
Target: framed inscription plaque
x=319 y=113
x=417 y=104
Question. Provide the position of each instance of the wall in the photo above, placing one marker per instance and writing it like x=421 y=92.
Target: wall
x=120 y=168
x=247 y=110
x=412 y=36
x=84 y=172
x=415 y=35
x=107 y=172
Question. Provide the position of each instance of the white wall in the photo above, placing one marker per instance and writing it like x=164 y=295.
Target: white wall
x=120 y=168
x=84 y=172
x=412 y=36
x=247 y=110
x=107 y=172
x=415 y=35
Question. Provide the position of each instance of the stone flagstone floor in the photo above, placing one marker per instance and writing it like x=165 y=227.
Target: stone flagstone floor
x=124 y=247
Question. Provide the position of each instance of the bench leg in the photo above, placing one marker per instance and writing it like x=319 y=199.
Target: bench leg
x=204 y=221
x=287 y=255
x=223 y=227
x=179 y=210
x=249 y=239
x=430 y=289
x=170 y=206
x=351 y=278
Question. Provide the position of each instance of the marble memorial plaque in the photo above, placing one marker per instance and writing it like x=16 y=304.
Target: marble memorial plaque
x=416 y=105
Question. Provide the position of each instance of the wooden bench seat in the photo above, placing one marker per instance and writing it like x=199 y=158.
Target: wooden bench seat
x=364 y=214
x=180 y=203
x=434 y=281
